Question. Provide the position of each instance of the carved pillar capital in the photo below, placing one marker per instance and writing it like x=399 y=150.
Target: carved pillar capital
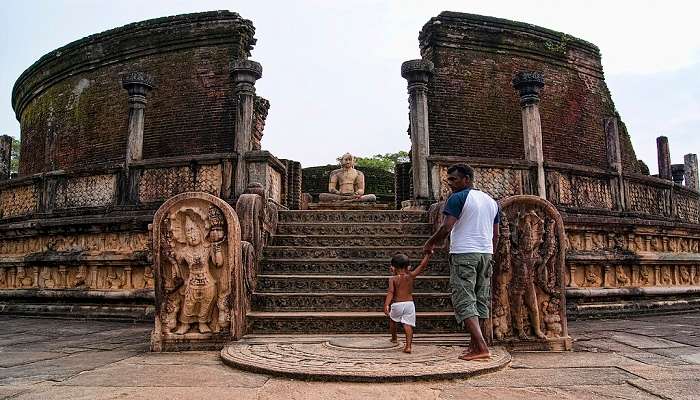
x=417 y=73
x=244 y=74
x=137 y=84
x=528 y=84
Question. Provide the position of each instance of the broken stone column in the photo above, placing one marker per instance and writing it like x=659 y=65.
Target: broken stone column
x=5 y=156
x=664 y=156
x=690 y=171
x=612 y=141
x=418 y=74
x=244 y=74
x=529 y=84
x=137 y=84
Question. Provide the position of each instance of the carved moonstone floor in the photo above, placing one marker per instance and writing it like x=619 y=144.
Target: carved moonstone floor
x=362 y=358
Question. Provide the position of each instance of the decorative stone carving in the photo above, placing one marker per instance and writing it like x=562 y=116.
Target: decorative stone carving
x=528 y=279
x=347 y=183
x=197 y=253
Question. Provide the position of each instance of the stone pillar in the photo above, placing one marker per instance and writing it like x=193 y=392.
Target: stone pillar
x=137 y=84
x=244 y=74
x=690 y=171
x=664 y=156
x=528 y=84
x=418 y=74
x=612 y=141
x=5 y=156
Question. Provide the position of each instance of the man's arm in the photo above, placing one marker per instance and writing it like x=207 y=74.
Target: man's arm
x=447 y=223
x=423 y=263
x=389 y=296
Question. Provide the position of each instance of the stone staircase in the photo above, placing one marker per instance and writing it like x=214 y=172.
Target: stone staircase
x=326 y=271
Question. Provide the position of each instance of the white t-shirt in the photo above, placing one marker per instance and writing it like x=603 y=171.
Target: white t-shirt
x=476 y=213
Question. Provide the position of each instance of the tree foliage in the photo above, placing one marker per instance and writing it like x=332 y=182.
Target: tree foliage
x=14 y=161
x=384 y=161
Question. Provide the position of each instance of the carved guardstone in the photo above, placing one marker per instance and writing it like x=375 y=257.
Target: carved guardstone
x=196 y=242
x=528 y=298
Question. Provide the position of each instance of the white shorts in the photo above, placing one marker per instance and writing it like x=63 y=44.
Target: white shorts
x=404 y=312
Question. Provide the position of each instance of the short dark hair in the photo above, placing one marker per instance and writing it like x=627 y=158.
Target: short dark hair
x=400 y=260
x=463 y=169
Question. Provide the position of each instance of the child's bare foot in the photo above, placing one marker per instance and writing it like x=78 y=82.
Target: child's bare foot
x=394 y=340
x=475 y=355
x=407 y=350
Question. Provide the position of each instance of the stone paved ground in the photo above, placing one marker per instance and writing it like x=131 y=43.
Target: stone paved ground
x=640 y=358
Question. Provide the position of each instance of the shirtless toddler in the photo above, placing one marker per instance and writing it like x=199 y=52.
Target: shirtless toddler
x=401 y=294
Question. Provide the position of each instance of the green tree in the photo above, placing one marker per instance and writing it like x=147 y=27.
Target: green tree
x=384 y=161
x=14 y=161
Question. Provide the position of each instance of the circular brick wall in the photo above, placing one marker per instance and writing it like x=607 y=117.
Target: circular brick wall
x=73 y=110
x=475 y=112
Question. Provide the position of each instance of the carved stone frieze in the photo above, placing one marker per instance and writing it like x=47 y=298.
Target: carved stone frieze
x=686 y=207
x=646 y=199
x=354 y=230
x=275 y=283
x=600 y=275
x=528 y=300
x=445 y=323
x=112 y=242
x=325 y=241
x=347 y=217
x=343 y=252
x=581 y=191
x=330 y=301
x=18 y=201
x=158 y=184
x=342 y=267
x=93 y=277
x=197 y=254
x=86 y=191
x=499 y=183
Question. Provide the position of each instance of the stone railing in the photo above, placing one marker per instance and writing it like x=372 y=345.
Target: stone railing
x=498 y=178
x=574 y=187
x=142 y=185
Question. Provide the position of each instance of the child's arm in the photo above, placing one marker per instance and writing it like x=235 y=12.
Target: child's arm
x=423 y=263
x=389 y=296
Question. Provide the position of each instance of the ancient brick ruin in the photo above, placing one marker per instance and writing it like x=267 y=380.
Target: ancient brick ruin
x=111 y=132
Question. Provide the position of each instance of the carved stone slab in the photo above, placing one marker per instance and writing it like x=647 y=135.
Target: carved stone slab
x=356 y=358
x=528 y=298
x=197 y=260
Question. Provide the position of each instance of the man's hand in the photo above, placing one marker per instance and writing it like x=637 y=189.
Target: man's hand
x=428 y=247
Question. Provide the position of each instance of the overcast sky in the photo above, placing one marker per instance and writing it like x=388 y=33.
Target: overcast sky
x=331 y=69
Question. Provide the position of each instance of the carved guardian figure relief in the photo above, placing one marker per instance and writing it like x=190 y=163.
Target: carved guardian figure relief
x=528 y=298
x=197 y=256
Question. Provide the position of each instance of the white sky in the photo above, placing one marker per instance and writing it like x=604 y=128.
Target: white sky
x=331 y=69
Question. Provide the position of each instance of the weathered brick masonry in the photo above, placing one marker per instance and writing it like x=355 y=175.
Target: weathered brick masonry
x=475 y=112
x=73 y=110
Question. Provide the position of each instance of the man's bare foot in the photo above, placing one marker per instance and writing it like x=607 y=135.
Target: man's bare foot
x=475 y=356
x=407 y=350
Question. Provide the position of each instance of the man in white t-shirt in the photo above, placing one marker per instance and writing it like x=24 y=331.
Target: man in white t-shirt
x=471 y=220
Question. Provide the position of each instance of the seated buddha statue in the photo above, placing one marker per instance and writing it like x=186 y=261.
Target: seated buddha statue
x=346 y=183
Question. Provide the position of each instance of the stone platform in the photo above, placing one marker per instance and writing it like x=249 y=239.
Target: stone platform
x=359 y=358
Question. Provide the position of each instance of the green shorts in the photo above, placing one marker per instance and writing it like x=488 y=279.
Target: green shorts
x=470 y=283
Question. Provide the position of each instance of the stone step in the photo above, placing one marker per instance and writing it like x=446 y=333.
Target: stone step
x=348 y=252
x=343 y=301
x=382 y=228
x=349 y=240
x=352 y=216
x=296 y=266
x=340 y=283
x=343 y=322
